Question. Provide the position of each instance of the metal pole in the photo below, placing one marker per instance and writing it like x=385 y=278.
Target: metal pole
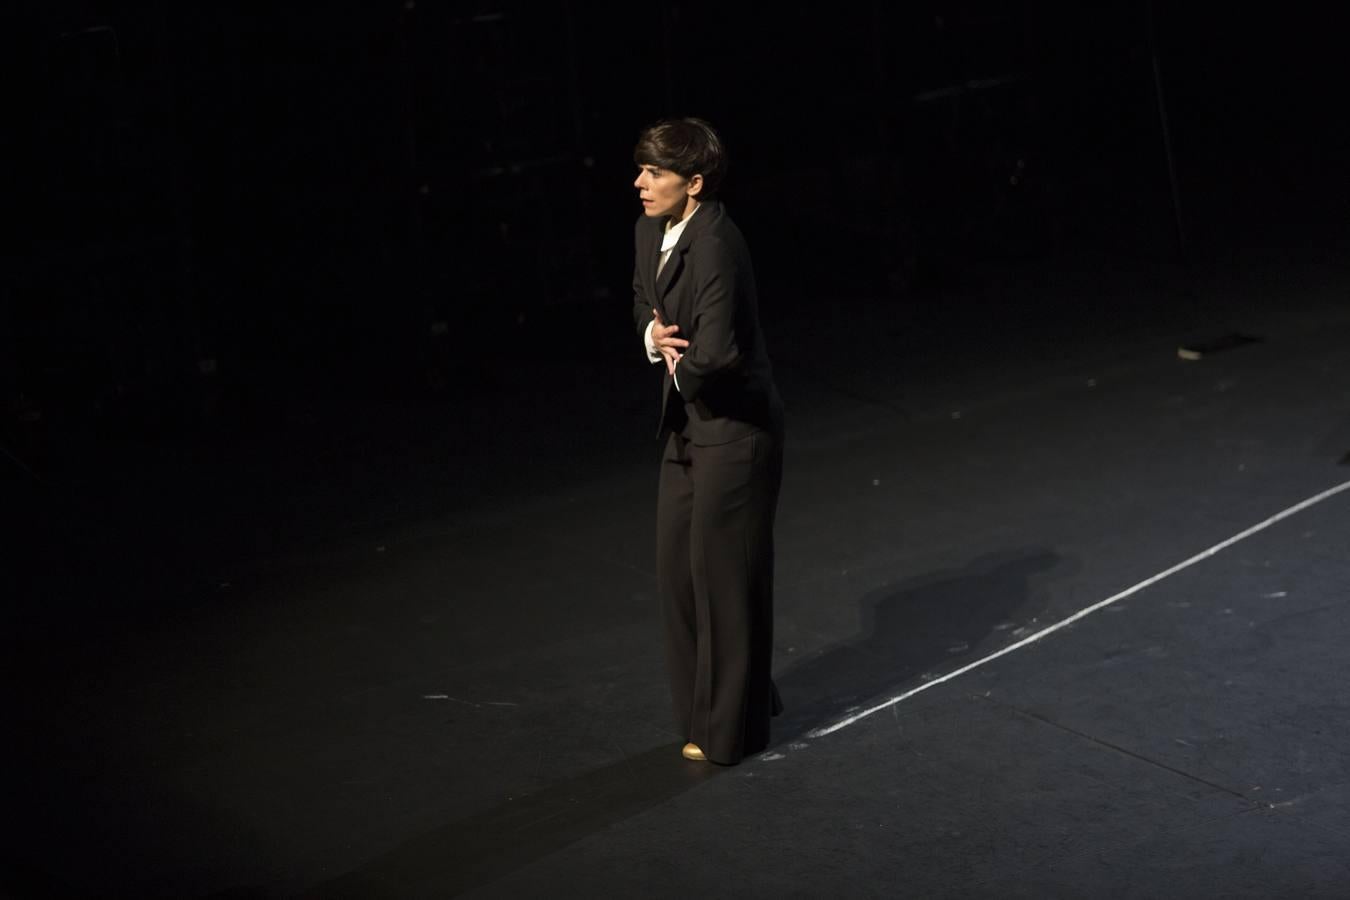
x=669 y=20
x=1166 y=135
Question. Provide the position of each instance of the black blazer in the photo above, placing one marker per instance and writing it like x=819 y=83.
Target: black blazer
x=707 y=287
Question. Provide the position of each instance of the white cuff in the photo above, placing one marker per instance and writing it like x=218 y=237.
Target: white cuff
x=653 y=355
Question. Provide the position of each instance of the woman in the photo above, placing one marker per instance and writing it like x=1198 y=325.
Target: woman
x=721 y=419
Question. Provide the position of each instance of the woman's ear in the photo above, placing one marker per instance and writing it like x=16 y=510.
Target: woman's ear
x=695 y=185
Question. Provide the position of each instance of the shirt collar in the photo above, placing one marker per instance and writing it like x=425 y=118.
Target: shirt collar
x=673 y=231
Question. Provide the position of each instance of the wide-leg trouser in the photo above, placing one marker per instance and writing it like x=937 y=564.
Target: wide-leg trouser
x=715 y=511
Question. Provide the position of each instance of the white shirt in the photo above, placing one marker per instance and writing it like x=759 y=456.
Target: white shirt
x=668 y=241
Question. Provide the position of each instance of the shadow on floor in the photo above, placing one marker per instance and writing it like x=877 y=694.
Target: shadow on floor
x=921 y=626
x=918 y=626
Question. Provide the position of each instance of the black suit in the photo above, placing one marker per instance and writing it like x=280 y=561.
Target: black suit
x=720 y=473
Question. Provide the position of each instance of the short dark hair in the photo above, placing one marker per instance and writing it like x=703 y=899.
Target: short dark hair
x=687 y=147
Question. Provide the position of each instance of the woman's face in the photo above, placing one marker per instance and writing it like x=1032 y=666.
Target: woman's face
x=664 y=193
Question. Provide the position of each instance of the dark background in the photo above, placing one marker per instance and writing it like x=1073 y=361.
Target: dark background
x=234 y=220
x=320 y=384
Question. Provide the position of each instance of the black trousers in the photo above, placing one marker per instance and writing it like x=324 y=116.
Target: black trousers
x=714 y=560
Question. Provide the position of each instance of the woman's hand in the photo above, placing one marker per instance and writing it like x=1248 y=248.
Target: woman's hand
x=665 y=342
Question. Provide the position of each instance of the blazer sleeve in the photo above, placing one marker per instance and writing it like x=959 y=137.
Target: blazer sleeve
x=717 y=295
x=642 y=304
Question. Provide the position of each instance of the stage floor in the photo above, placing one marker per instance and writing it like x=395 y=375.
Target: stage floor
x=379 y=661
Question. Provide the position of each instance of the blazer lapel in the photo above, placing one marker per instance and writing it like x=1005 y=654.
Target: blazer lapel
x=706 y=213
x=672 y=266
x=651 y=255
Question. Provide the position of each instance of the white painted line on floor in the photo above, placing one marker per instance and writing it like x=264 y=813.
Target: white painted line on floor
x=1082 y=613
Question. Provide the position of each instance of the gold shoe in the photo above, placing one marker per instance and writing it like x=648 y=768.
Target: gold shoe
x=691 y=751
